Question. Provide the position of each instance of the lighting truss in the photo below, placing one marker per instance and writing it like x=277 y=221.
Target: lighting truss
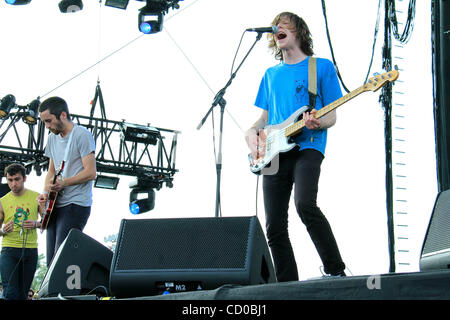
x=117 y=155
x=22 y=142
x=122 y=148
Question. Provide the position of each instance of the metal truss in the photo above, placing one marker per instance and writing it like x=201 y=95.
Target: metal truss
x=122 y=148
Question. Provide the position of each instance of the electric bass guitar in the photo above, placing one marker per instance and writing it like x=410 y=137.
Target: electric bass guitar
x=279 y=137
x=51 y=200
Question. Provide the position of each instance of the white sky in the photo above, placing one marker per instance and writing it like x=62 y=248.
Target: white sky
x=151 y=81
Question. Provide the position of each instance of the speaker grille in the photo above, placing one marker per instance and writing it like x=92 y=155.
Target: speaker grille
x=183 y=244
x=438 y=236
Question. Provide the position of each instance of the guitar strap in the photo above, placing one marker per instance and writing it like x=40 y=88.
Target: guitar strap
x=312 y=82
x=66 y=153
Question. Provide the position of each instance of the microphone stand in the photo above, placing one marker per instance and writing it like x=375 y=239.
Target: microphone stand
x=219 y=100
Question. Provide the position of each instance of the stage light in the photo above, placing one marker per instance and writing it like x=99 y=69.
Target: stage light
x=67 y=6
x=17 y=2
x=106 y=182
x=138 y=133
x=138 y=206
x=120 y=4
x=31 y=112
x=150 y=22
x=6 y=104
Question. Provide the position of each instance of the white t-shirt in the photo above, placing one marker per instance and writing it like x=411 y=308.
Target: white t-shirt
x=82 y=145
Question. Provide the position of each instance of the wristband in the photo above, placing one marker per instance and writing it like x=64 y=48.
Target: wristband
x=2 y=230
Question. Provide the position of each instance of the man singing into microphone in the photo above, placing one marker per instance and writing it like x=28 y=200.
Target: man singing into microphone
x=283 y=90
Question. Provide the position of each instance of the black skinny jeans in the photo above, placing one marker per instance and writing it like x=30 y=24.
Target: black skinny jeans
x=300 y=169
x=62 y=220
x=17 y=266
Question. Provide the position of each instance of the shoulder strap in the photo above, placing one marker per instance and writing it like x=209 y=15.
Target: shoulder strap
x=66 y=153
x=312 y=81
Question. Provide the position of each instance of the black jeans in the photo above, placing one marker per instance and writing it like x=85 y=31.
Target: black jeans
x=300 y=169
x=17 y=266
x=62 y=220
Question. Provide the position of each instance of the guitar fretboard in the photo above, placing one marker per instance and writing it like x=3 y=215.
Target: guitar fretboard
x=298 y=126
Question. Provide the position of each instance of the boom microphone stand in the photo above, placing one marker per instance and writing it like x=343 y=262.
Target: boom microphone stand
x=219 y=100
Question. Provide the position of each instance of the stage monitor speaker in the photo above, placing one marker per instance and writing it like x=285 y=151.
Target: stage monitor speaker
x=436 y=247
x=80 y=266
x=160 y=256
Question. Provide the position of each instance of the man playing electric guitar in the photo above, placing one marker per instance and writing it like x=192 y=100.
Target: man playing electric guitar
x=75 y=146
x=283 y=90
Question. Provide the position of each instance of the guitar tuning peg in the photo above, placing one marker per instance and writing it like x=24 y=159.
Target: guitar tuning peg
x=376 y=74
x=396 y=67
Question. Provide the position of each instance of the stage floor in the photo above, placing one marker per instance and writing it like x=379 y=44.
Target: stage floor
x=431 y=285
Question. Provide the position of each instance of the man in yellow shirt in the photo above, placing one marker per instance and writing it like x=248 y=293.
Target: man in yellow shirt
x=19 y=220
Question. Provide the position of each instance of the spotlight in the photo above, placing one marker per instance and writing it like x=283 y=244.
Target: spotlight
x=6 y=104
x=138 y=206
x=138 y=133
x=152 y=25
x=17 y=2
x=67 y=6
x=106 y=182
x=120 y=4
x=31 y=113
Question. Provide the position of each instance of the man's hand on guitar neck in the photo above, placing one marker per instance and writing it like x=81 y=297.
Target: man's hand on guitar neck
x=58 y=185
x=311 y=122
x=256 y=141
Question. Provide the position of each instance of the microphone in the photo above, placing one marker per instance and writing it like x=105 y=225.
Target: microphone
x=272 y=29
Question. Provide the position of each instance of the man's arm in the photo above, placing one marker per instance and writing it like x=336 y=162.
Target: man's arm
x=88 y=173
x=325 y=122
x=328 y=120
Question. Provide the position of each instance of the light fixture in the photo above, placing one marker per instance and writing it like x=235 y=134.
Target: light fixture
x=67 y=6
x=106 y=182
x=140 y=205
x=138 y=133
x=120 y=4
x=150 y=23
x=17 y=2
x=6 y=104
x=31 y=112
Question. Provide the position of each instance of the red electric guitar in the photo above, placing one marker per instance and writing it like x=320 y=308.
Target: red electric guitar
x=51 y=200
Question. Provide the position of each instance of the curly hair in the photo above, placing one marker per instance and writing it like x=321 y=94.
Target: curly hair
x=301 y=29
x=15 y=168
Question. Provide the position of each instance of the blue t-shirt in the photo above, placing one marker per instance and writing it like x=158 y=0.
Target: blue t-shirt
x=284 y=89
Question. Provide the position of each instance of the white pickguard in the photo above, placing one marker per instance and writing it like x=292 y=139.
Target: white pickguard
x=276 y=142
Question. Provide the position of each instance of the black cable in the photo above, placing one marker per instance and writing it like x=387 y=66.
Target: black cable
x=391 y=26
x=331 y=47
x=257 y=192
x=409 y=25
x=375 y=36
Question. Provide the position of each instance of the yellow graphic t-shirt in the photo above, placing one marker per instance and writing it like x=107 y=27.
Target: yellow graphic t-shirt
x=20 y=209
